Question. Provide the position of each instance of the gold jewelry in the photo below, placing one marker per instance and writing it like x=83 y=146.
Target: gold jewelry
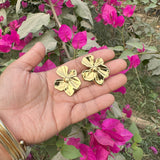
x=17 y=150
x=69 y=83
x=97 y=70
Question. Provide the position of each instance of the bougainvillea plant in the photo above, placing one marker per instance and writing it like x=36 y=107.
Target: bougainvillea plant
x=65 y=28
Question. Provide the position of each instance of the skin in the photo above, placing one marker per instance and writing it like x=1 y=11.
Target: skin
x=34 y=110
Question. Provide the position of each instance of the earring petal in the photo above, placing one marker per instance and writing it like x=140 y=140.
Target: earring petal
x=88 y=75
x=103 y=70
x=88 y=61
x=62 y=71
x=99 y=79
x=69 y=90
x=99 y=61
x=75 y=82
x=60 y=85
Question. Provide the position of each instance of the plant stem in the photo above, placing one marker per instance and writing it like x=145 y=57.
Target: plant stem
x=59 y=25
x=139 y=80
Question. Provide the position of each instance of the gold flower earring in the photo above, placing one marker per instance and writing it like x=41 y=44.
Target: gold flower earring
x=69 y=82
x=97 y=70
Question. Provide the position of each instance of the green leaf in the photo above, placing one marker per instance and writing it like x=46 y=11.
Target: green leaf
x=153 y=64
x=135 y=44
x=18 y=5
x=60 y=142
x=151 y=49
x=133 y=128
x=82 y=10
x=156 y=71
x=117 y=156
x=4 y=14
x=66 y=131
x=126 y=53
x=70 y=152
x=50 y=146
x=47 y=39
x=138 y=153
x=116 y=110
x=152 y=5
x=137 y=138
x=90 y=44
x=117 y=48
x=33 y=23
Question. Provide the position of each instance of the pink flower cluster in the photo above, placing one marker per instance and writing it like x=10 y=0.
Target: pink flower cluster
x=6 y=4
x=109 y=14
x=78 y=40
x=12 y=40
x=103 y=141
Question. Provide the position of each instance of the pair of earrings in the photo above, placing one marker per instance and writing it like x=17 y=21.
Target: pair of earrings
x=69 y=83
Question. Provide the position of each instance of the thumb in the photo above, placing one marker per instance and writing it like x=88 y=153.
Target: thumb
x=33 y=57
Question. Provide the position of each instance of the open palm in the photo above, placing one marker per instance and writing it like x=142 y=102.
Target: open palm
x=34 y=110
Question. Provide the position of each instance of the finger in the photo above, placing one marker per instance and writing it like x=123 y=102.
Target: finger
x=83 y=110
x=33 y=57
x=93 y=91
x=114 y=66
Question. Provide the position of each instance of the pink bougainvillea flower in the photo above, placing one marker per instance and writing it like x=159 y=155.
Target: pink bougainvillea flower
x=24 y=4
x=0 y=33
x=13 y=25
x=69 y=4
x=121 y=89
x=154 y=149
x=85 y=150
x=97 y=49
x=28 y=38
x=41 y=7
x=1 y=18
x=158 y=133
x=49 y=12
x=119 y=21
x=79 y=40
x=21 y=20
x=74 y=28
x=30 y=157
x=116 y=131
x=19 y=46
x=93 y=38
x=21 y=54
x=134 y=61
x=98 y=18
x=158 y=110
x=141 y=50
x=97 y=118
x=65 y=33
x=127 y=109
x=113 y=2
x=109 y=14
x=5 y=46
x=6 y=4
x=58 y=4
x=128 y=10
x=95 y=3
x=45 y=67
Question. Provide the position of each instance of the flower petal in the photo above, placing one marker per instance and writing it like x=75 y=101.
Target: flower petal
x=62 y=71
x=103 y=70
x=99 y=61
x=99 y=78
x=72 y=73
x=69 y=90
x=75 y=82
x=60 y=84
x=88 y=75
x=88 y=61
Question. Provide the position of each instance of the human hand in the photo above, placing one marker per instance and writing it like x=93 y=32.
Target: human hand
x=34 y=110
